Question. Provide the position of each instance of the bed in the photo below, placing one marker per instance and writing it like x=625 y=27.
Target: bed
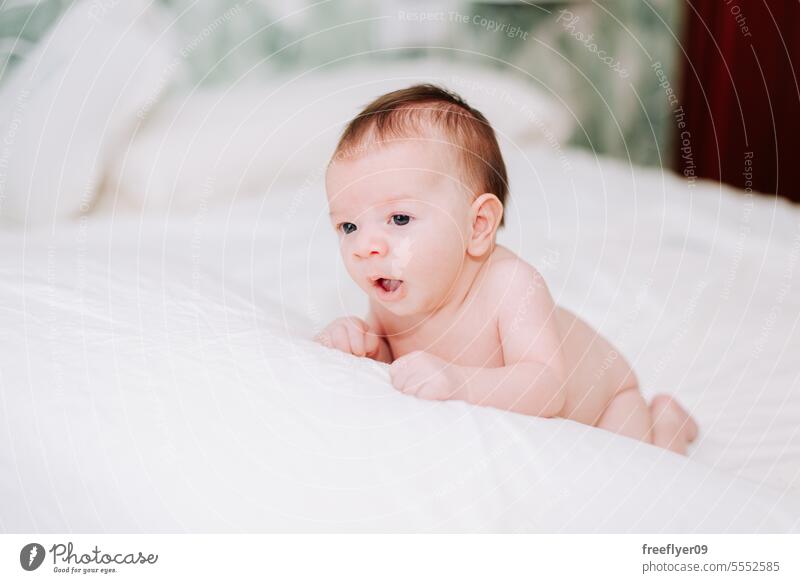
x=157 y=372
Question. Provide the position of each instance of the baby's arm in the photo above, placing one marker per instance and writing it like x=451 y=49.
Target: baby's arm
x=533 y=378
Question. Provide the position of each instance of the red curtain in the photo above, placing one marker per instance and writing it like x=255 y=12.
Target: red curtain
x=741 y=94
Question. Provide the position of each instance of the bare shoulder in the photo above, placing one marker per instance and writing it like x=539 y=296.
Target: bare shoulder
x=508 y=273
x=521 y=296
x=527 y=317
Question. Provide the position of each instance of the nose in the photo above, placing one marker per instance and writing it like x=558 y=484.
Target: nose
x=370 y=244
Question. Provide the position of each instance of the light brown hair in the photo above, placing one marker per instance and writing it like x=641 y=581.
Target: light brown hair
x=417 y=109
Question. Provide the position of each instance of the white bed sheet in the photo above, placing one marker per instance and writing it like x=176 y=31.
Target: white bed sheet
x=155 y=373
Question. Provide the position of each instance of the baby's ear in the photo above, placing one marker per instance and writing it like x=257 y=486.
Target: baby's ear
x=486 y=213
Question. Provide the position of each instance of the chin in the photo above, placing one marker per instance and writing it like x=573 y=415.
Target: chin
x=403 y=308
x=406 y=308
x=399 y=310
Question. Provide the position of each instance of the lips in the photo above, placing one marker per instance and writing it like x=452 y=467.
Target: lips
x=388 y=288
x=389 y=285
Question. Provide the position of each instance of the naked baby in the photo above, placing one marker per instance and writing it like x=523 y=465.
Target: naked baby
x=416 y=190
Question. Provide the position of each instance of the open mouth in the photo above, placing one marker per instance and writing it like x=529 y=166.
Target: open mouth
x=388 y=288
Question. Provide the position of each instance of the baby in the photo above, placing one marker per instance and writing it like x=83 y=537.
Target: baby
x=416 y=189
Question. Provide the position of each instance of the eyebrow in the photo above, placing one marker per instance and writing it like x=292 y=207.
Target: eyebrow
x=391 y=200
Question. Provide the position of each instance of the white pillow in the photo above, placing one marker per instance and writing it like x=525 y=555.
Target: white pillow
x=76 y=95
x=216 y=142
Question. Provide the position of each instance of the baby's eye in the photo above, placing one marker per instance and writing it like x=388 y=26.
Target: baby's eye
x=400 y=220
x=347 y=228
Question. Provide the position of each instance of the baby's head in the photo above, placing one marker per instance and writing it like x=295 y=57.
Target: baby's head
x=416 y=189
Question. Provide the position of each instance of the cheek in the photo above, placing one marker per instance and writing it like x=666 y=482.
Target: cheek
x=442 y=251
x=347 y=263
x=347 y=260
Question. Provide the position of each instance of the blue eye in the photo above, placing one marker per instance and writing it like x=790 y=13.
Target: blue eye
x=347 y=228
x=400 y=220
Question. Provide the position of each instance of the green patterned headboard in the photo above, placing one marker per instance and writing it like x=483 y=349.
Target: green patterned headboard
x=597 y=57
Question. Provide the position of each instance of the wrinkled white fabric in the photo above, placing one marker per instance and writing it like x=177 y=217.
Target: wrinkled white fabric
x=156 y=372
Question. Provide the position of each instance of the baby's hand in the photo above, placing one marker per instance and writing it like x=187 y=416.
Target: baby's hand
x=351 y=335
x=424 y=375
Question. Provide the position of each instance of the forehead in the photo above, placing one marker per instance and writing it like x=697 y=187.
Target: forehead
x=409 y=168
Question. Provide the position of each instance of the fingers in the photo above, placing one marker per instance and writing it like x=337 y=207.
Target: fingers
x=422 y=375
x=356 y=336
x=324 y=338
x=350 y=335
x=340 y=338
x=372 y=343
x=404 y=385
x=402 y=375
x=396 y=374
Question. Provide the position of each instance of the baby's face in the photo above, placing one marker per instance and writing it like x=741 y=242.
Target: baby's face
x=402 y=215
